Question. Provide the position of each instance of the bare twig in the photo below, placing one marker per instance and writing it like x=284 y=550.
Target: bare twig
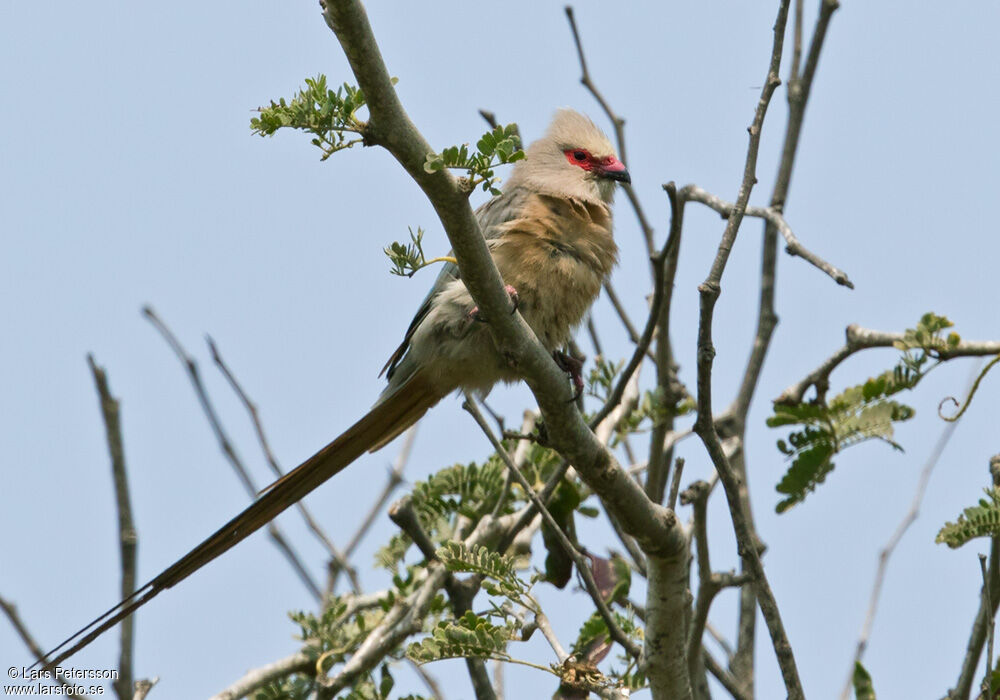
x=582 y=566
x=720 y=640
x=883 y=558
x=128 y=540
x=429 y=681
x=660 y=454
x=619 y=308
x=709 y=582
x=693 y=193
x=704 y=425
x=338 y=560
x=404 y=516
x=642 y=344
x=725 y=678
x=143 y=686
x=987 y=682
x=675 y=483
x=799 y=87
x=859 y=339
x=228 y=450
x=619 y=124
x=10 y=610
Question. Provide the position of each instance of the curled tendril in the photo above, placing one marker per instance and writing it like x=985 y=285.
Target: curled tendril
x=968 y=399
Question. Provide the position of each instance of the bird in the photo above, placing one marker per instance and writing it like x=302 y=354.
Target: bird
x=550 y=234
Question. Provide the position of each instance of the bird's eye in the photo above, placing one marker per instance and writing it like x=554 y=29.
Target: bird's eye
x=579 y=156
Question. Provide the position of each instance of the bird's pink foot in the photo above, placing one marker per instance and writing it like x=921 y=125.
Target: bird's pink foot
x=573 y=367
x=476 y=315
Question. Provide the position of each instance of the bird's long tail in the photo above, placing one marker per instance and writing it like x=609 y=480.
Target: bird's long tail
x=387 y=419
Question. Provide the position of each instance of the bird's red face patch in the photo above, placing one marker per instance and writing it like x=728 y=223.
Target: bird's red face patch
x=582 y=158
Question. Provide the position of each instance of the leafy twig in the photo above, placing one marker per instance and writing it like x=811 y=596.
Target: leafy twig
x=613 y=629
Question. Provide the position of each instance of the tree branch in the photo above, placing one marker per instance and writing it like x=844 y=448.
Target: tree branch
x=660 y=453
x=654 y=527
x=10 y=610
x=128 y=540
x=859 y=339
x=988 y=602
x=228 y=450
x=259 y=677
x=619 y=124
x=704 y=425
x=338 y=560
x=890 y=546
x=772 y=216
x=582 y=566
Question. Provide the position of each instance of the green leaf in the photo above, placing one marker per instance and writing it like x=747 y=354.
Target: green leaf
x=470 y=636
x=982 y=520
x=863 y=688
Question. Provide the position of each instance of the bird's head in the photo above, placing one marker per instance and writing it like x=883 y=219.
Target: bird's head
x=574 y=158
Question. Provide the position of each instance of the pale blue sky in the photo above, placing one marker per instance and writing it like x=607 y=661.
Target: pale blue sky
x=128 y=175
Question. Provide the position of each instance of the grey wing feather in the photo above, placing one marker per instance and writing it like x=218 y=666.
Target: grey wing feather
x=496 y=211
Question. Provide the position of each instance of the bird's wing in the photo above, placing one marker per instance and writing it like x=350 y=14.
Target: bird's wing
x=491 y=215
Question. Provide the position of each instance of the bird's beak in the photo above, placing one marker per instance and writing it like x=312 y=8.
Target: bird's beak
x=614 y=169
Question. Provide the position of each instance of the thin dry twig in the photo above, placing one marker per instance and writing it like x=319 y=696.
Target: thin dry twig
x=614 y=630
x=660 y=453
x=619 y=124
x=704 y=425
x=128 y=540
x=883 y=558
x=725 y=678
x=10 y=610
x=794 y=247
x=228 y=450
x=709 y=582
x=143 y=686
x=338 y=559
x=675 y=483
x=642 y=344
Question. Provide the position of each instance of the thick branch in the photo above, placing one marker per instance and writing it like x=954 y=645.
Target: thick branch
x=654 y=527
x=128 y=540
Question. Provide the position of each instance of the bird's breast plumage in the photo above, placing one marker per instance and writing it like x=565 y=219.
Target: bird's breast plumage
x=557 y=254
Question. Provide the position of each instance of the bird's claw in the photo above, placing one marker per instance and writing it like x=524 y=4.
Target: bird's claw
x=572 y=366
x=476 y=315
